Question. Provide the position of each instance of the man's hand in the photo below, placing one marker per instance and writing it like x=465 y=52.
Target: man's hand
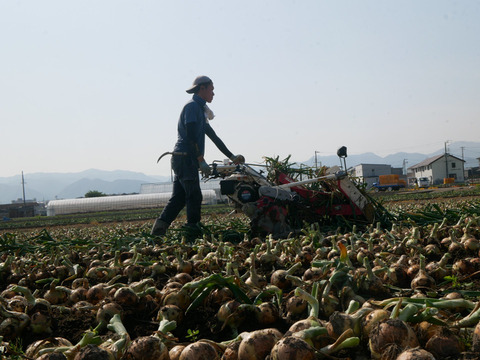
x=205 y=169
x=238 y=159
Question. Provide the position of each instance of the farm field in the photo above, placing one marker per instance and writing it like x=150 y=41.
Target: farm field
x=75 y=286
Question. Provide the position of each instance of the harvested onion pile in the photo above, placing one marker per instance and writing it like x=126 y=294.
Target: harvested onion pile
x=112 y=292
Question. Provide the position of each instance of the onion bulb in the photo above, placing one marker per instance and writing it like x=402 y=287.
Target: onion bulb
x=92 y=352
x=199 y=350
x=147 y=347
x=258 y=344
x=444 y=344
x=415 y=354
x=391 y=331
x=292 y=348
x=34 y=348
x=175 y=352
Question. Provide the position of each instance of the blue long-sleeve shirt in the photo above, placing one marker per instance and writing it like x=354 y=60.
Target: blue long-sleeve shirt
x=192 y=128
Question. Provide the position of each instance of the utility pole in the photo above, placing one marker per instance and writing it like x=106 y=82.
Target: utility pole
x=24 y=201
x=405 y=162
x=446 y=159
x=316 y=163
x=463 y=148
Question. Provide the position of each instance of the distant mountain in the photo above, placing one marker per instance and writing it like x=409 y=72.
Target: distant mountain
x=81 y=187
x=48 y=186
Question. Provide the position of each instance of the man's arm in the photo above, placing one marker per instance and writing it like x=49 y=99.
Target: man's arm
x=217 y=141
x=193 y=148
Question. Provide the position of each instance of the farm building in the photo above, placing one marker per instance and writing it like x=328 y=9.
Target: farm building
x=473 y=174
x=440 y=167
x=19 y=208
x=120 y=202
x=370 y=172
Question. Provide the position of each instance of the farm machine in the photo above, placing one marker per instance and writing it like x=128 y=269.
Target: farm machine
x=282 y=200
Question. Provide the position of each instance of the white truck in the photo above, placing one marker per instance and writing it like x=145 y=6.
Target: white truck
x=423 y=182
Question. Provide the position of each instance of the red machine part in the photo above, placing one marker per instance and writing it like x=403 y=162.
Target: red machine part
x=322 y=201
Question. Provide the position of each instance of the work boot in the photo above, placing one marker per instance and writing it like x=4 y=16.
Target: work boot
x=159 y=228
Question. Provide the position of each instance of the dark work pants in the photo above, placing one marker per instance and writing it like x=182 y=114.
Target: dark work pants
x=186 y=191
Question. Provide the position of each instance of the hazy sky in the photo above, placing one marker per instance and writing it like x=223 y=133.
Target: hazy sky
x=101 y=83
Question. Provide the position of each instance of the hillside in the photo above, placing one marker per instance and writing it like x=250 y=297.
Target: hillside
x=48 y=186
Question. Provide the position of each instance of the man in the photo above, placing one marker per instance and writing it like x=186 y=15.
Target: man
x=188 y=157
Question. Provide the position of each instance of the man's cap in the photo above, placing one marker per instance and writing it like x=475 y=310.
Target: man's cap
x=199 y=80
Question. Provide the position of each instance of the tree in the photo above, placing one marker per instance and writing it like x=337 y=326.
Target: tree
x=94 y=193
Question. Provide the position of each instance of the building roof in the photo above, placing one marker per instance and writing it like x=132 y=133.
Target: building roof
x=431 y=160
x=368 y=164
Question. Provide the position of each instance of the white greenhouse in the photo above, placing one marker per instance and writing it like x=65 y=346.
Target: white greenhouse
x=120 y=202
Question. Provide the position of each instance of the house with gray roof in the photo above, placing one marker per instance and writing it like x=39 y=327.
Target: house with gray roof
x=439 y=167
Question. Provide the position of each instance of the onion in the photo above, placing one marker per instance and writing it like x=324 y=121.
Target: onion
x=171 y=285
x=373 y=285
x=33 y=349
x=312 y=320
x=268 y=314
x=105 y=314
x=125 y=297
x=255 y=280
x=80 y=282
x=476 y=338
x=398 y=274
x=147 y=347
x=279 y=277
x=415 y=354
x=18 y=303
x=258 y=344
x=391 y=331
x=313 y=274
x=372 y=319
x=40 y=323
x=425 y=331
x=454 y=247
x=96 y=293
x=91 y=352
x=315 y=336
x=219 y=296
x=184 y=266
x=295 y=307
x=227 y=309
x=78 y=294
x=181 y=277
x=157 y=269
x=133 y=272
x=339 y=322
x=231 y=351
x=444 y=344
x=170 y=313
x=175 y=352
x=437 y=269
x=422 y=280
x=12 y=323
x=56 y=294
x=199 y=351
x=292 y=348
x=268 y=259
x=464 y=266
x=177 y=297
